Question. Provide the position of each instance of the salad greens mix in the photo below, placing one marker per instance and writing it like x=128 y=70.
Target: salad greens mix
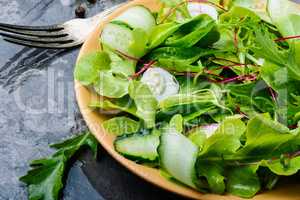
x=206 y=91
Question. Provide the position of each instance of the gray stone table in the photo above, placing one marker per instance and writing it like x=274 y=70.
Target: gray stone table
x=38 y=107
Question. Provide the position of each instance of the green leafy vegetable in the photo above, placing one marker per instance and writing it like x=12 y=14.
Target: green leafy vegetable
x=121 y=125
x=45 y=180
x=145 y=102
x=88 y=68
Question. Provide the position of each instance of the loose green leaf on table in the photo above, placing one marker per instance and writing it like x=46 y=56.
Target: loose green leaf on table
x=45 y=179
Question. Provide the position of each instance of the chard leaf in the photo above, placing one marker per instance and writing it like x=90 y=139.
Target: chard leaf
x=45 y=180
x=145 y=102
x=121 y=126
x=112 y=86
x=88 y=68
x=243 y=181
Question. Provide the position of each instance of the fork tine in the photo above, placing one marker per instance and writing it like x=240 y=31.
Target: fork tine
x=34 y=28
x=41 y=33
x=60 y=39
x=58 y=45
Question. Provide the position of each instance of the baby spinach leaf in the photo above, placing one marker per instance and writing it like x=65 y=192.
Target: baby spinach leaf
x=192 y=32
x=112 y=86
x=243 y=181
x=45 y=180
x=161 y=32
x=88 y=67
x=145 y=102
x=121 y=126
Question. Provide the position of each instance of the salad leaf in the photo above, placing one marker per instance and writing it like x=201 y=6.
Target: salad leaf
x=45 y=180
x=192 y=32
x=121 y=125
x=177 y=123
x=161 y=32
x=145 y=102
x=225 y=140
x=258 y=7
x=88 y=68
x=243 y=181
x=213 y=173
x=291 y=167
x=179 y=59
x=124 y=104
x=112 y=86
x=140 y=40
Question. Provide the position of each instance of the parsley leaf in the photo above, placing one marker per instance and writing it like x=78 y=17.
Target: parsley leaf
x=45 y=180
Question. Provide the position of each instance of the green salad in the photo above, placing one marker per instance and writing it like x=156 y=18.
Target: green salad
x=208 y=92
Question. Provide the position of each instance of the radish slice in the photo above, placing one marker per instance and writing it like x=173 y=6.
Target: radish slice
x=161 y=83
x=196 y=9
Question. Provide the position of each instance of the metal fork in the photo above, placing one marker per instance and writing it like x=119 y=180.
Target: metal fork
x=67 y=35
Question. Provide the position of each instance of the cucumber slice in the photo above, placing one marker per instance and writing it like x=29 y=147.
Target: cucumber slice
x=138 y=17
x=117 y=37
x=138 y=146
x=178 y=157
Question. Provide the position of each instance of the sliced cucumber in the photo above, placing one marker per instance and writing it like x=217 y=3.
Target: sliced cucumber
x=138 y=146
x=117 y=37
x=178 y=156
x=138 y=17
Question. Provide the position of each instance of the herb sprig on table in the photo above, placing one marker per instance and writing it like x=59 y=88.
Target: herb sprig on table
x=45 y=179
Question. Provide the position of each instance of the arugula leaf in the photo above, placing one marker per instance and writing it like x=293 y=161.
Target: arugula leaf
x=121 y=125
x=88 y=68
x=45 y=179
x=145 y=102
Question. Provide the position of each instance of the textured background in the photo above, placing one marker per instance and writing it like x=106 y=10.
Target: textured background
x=38 y=107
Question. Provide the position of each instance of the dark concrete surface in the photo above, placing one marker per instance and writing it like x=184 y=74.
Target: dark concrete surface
x=38 y=107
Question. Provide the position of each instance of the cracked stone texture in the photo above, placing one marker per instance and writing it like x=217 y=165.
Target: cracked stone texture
x=38 y=107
